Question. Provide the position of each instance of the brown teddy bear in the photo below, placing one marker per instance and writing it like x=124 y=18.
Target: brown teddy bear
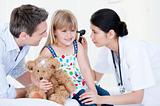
x=49 y=68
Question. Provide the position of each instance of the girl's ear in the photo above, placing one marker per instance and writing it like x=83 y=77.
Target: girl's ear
x=30 y=65
x=111 y=34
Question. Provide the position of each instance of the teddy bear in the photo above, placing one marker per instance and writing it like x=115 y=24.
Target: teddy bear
x=49 y=68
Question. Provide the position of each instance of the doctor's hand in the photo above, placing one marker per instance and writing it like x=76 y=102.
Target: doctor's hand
x=90 y=97
x=84 y=44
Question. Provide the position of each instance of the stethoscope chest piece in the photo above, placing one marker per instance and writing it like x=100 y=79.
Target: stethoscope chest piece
x=122 y=89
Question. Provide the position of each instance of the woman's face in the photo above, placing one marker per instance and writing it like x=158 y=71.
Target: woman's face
x=98 y=36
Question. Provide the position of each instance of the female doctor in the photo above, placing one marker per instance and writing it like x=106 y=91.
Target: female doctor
x=134 y=62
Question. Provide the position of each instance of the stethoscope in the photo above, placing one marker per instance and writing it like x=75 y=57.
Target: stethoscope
x=118 y=76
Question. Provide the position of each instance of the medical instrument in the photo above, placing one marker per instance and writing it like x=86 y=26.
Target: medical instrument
x=118 y=76
x=82 y=32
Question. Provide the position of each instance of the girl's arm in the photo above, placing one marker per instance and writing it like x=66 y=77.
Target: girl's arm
x=85 y=47
x=96 y=75
x=85 y=67
x=134 y=97
x=45 y=52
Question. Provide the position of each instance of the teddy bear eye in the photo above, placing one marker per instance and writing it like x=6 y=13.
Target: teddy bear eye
x=37 y=70
x=30 y=68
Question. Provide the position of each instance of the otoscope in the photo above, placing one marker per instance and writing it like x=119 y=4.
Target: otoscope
x=81 y=33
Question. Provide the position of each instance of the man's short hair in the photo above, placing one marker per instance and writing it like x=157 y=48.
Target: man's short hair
x=26 y=18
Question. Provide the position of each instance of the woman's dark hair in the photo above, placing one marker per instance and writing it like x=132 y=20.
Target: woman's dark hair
x=107 y=19
x=26 y=18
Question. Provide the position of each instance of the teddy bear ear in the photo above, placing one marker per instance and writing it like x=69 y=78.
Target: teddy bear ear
x=30 y=65
x=53 y=66
x=56 y=64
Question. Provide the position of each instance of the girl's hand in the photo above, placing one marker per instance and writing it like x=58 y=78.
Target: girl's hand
x=42 y=84
x=45 y=85
x=90 y=97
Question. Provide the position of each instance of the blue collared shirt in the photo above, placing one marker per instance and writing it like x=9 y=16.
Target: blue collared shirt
x=11 y=61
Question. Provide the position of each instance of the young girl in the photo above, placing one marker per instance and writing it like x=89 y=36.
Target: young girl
x=62 y=45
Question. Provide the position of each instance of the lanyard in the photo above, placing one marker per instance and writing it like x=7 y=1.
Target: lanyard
x=118 y=76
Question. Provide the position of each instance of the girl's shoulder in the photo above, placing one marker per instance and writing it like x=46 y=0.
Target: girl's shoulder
x=45 y=52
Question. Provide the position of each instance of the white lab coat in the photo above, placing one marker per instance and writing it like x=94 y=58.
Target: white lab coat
x=140 y=65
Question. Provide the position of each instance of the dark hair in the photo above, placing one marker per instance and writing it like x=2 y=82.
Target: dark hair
x=107 y=19
x=26 y=18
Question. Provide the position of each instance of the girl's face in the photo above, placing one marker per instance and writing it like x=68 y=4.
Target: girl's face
x=65 y=36
x=98 y=36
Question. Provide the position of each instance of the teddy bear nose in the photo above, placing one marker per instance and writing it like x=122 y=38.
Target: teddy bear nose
x=41 y=78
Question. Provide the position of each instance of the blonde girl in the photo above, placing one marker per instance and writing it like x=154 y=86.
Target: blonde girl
x=62 y=45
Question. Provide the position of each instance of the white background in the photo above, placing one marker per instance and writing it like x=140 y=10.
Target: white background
x=142 y=17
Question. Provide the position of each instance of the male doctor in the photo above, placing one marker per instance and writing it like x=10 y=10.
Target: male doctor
x=26 y=28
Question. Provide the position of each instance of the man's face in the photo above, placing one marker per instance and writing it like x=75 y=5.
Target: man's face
x=40 y=32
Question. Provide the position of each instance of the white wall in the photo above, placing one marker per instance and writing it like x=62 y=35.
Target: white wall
x=2 y=11
x=141 y=16
x=154 y=21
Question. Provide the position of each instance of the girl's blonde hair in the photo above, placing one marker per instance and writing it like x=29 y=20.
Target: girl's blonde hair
x=61 y=19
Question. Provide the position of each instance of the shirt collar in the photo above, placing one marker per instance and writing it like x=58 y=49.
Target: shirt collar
x=11 y=43
x=121 y=47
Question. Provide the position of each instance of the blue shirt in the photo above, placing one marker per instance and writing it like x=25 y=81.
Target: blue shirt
x=11 y=61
